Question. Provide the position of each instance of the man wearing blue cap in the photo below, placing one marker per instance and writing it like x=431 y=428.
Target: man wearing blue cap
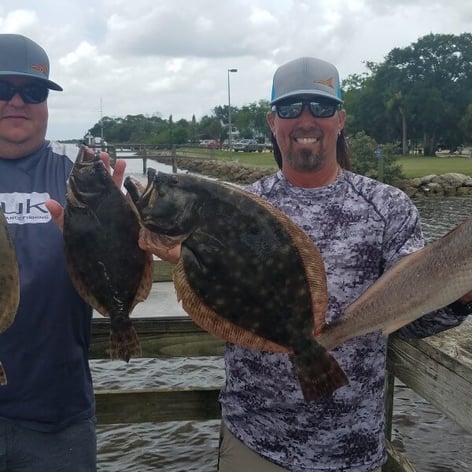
x=47 y=408
x=362 y=227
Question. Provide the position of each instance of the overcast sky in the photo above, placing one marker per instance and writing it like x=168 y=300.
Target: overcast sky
x=171 y=57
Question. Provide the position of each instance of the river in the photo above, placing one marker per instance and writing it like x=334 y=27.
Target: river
x=428 y=438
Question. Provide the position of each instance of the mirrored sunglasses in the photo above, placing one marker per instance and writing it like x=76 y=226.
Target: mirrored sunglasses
x=318 y=108
x=32 y=93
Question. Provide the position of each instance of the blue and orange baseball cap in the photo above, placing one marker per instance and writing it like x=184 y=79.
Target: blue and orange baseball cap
x=21 y=56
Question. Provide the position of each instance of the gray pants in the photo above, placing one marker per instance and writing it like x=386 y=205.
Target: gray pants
x=234 y=456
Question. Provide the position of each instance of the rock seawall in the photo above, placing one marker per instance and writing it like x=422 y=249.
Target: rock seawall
x=222 y=170
x=451 y=184
x=431 y=185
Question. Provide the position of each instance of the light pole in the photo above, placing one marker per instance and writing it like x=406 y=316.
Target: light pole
x=230 y=129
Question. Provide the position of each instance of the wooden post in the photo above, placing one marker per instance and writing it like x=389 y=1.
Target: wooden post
x=174 y=159
x=388 y=399
x=144 y=160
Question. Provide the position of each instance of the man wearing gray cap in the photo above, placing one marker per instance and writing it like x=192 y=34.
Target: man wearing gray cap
x=47 y=408
x=362 y=227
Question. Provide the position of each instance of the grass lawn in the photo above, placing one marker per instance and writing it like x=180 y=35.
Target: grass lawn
x=413 y=166
x=419 y=166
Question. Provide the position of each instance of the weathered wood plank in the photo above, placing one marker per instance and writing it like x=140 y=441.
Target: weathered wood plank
x=396 y=461
x=162 y=271
x=160 y=337
x=156 y=405
x=442 y=380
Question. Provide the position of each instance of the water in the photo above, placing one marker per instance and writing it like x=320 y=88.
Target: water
x=428 y=438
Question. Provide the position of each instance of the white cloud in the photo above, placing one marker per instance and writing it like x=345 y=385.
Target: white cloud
x=121 y=57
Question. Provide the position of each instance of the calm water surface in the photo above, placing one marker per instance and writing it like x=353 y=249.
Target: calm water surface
x=428 y=438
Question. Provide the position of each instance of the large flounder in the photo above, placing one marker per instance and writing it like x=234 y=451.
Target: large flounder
x=108 y=268
x=9 y=283
x=247 y=273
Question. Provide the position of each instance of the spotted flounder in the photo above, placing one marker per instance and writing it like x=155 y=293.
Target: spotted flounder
x=106 y=265
x=247 y=273
x=9 y=283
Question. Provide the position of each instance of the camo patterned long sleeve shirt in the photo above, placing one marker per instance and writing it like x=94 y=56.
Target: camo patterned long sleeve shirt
x=362 y=227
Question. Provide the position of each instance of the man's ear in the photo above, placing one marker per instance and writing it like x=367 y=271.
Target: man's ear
x=270 y=117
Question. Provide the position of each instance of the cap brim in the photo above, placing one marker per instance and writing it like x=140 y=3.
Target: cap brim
x=50 y=84
x=311 y=93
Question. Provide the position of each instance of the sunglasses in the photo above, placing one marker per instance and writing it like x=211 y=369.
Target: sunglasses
x=318 y=108
x=32 y=93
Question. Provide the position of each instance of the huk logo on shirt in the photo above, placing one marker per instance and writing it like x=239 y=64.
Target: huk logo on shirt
x=25 y=208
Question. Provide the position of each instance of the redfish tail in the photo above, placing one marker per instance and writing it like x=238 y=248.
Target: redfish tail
x=318 y=372
x=124 y=344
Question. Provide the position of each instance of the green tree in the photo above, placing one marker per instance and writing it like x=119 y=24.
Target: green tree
x=210 y=128
x=367 y=161
x=419 y=93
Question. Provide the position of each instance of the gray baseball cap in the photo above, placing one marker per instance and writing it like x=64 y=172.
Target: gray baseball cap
x=20 y=55
x=306 y=76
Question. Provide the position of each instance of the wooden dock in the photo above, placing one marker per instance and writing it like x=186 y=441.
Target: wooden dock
x=438 y=368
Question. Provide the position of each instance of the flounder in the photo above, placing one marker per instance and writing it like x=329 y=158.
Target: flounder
x=9 y=283
x=106 y=265
x=247 y=273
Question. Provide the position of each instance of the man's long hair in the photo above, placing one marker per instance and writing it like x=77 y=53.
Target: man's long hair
x=343 y=152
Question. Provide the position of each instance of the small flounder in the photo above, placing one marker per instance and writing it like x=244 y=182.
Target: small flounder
x=106 y=265
x=247 y=273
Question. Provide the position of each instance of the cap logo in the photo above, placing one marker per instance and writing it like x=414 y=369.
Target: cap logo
x=43 y=68
x=328 y=82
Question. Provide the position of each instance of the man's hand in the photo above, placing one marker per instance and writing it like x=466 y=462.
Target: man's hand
x=150 y=243
x=466 y=299
x=118 y=172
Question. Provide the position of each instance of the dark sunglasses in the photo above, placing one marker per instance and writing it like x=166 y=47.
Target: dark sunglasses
x=318 y=108
x=32 y=93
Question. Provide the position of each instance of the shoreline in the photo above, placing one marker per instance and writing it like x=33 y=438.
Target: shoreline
x=450 y=184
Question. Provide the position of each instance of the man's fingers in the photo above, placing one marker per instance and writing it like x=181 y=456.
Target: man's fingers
x=119 y=172
x=57 y=212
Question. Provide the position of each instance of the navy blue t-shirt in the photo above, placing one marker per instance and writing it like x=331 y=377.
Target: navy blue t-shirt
x=45 y=351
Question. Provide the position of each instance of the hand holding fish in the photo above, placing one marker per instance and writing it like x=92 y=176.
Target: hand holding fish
x=117 y=173
x=148 y=242
x=466 y=299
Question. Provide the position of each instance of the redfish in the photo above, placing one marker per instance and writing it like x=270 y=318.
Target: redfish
x=419 y=283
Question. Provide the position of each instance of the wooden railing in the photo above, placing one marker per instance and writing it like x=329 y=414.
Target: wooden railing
x=438 y=368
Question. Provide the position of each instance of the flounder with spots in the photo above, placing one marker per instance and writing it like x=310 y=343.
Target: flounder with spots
x=105 y=263
x=9 y=283
x=247 y=273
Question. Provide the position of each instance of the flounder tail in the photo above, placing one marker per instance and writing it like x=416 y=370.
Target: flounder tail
x=124 y=342
x=318 y=372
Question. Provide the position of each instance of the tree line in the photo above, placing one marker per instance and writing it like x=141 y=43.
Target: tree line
x=419 y=96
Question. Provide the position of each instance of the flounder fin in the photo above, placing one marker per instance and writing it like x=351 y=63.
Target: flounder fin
x=3 y=376
x=318 y=372
x=146 y=281
x=214 y=324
